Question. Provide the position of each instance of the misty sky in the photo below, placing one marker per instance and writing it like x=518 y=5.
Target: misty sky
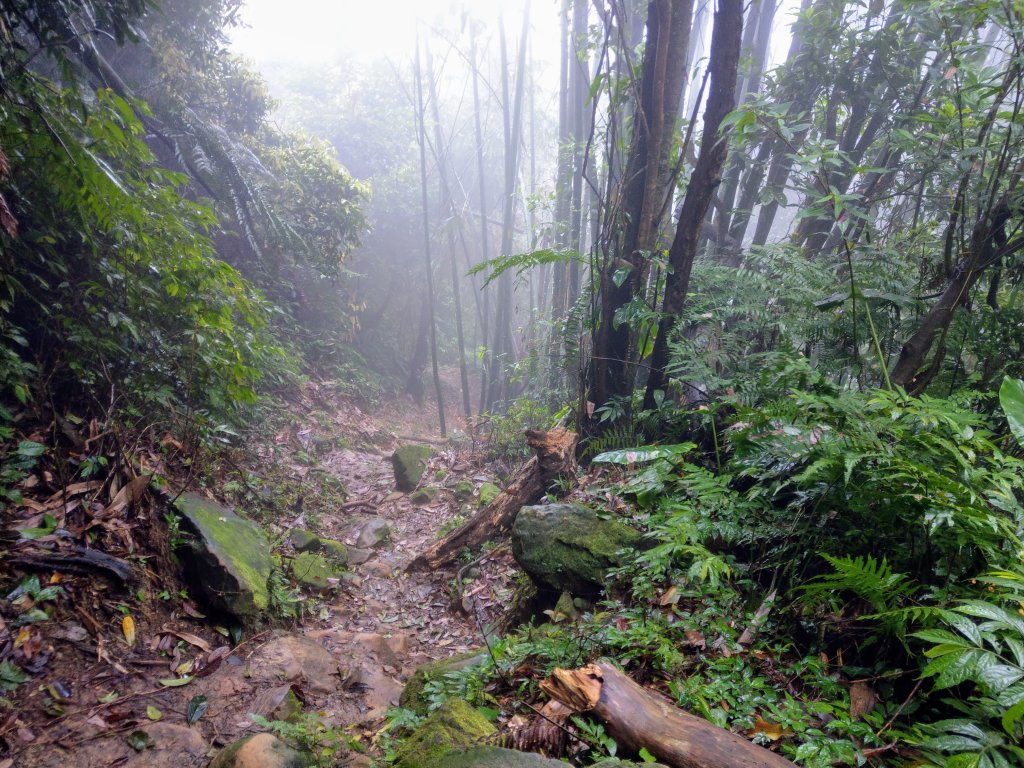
x=318 y=30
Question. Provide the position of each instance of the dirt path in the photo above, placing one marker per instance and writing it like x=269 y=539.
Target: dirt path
x=347 y=657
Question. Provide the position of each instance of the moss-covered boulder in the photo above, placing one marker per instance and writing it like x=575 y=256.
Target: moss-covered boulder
x=495 y=757
x=454 y=726
x=412 y=695
x=229 y=562
x=373 y=532
x=261 y=750
x=314 y=570
x=410 y=462
x=488 y=493
x=569 y=547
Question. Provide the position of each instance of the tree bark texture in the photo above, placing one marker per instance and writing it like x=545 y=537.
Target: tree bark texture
x=639 y=719
x=725 y=54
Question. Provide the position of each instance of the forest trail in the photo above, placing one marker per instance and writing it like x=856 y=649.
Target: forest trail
x=347 y=656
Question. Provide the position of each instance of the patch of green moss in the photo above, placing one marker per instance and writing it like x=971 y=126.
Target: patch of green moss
x=453 y=726
x=410 y=462
x=488 y=493
x=412 y=695
x=231 y=560
x=312 y=569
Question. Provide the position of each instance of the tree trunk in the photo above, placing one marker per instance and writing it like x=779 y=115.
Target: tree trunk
x=484 y=235
x=422 y=137
x=555 y=457
x=645 y=186
x=725 y=54
x=639 y=719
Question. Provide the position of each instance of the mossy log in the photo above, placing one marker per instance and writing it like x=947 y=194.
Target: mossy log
x=637 y=718
x=555 y=457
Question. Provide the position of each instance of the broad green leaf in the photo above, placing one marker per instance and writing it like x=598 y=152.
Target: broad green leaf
x=1011 y=398
x=643 y=454
x=197 y=707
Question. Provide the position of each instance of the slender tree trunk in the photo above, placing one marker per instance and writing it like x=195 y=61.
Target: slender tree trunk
x=485 y=245
x=448 y=206
x=422 y=138
x=725 y=54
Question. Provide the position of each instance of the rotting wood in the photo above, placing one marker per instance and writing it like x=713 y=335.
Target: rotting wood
x=81 y=561
x=555 y=457
x=639 y=719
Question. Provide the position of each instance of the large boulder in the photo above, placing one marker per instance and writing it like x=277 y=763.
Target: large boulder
x=294 y=659
x=413 y=694
x=569 y=547
x=229 y=561
x=261 y=750
x=454 y=726
x=495 y=757
x=410 y=462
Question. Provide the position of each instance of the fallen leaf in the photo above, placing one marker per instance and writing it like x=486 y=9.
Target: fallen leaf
x=153 y=713
x=188 y=637
x=140 y=741
x=771 y=731
x=670 y=596
x=175 y=682
x=128 y=627
x=696 y=639
x=197 y=707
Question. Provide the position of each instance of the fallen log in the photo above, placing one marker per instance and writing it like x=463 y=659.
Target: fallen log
x=637 y=718
x=81 y=561
x=555 y=457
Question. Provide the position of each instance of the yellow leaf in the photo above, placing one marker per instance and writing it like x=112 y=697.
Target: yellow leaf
x=771 y=731
x=128 y=627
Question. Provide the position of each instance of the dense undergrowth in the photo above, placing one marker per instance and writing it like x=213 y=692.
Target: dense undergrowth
x=838 y=576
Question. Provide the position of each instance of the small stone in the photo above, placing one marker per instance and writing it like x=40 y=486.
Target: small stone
x=488 y=493
x=261 y=750
x=375 y=531
x=423 y=495
x=359 y=556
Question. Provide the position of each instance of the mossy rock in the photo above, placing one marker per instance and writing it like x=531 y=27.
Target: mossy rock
x=335 y=550
x=423 y=495
x=263 y=750
x=463 y=490
x=569 y=547
x=410 y=462
x=412 y=695
x=304 y=541
x=313 y=569
x=496 y=757
x=454 y=726
x=230 y=561
x=488 y=493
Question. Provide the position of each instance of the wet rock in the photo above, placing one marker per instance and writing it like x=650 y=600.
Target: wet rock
x=358 y=556
x=410 y=462
x=303 y=541
x=172 y=746
x=374 y=531
x=488 y=493
x=412 y=695
x=280 y=703
x=569 y=547
x=312 y=569
x=495 y=757
x=614 y=762
x=423 y=495
x=454 y=726
x=463 y=490
x=230 y=559
x=261 y=751
x=295 y=659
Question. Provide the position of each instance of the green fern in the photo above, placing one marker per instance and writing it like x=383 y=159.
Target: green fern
x=873 y=581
